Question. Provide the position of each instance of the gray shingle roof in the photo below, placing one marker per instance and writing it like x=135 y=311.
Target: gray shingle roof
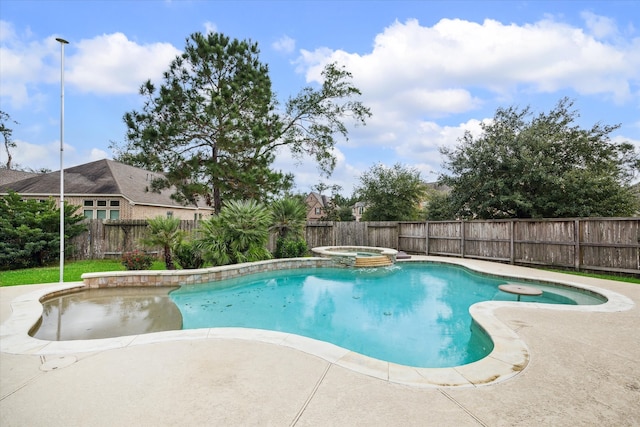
x=11 y=175
x=102 y=177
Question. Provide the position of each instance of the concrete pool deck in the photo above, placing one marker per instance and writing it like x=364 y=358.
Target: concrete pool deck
x=583 y=370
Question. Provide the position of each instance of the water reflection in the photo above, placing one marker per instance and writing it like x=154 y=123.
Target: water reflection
x=404 y=315
x=106 y=313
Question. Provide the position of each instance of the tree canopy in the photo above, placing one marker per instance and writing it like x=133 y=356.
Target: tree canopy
x=526 y=166
x=214 y=125
x=391 y=194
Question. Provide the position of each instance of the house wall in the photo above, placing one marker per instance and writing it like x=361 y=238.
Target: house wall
x=313 y=204
x=145 y=212
x=127 y=211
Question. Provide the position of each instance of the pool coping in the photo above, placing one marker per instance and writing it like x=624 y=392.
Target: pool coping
x=509 y=357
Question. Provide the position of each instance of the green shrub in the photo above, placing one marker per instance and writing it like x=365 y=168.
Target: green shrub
x=188 y=255
x=137 y=260
x=30 y=231
x=239 y=233
x=291 y=248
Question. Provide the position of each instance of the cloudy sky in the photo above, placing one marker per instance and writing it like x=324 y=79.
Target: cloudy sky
x=429 y=70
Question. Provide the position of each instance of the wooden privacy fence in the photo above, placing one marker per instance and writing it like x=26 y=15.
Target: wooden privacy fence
x=600 y=244
x=109 y=238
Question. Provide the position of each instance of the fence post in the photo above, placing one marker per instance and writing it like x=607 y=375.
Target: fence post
x=462 y=238
x=426 y=249
x=576 y=238
x=512 y=255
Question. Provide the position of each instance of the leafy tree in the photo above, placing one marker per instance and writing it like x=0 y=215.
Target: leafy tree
x=392 y=194
x=165 y=232
x=541 y=166
x=344 y=212
x=239 y=233
x=30 y=231
x=214 y=127
x=7 y=133
x=439 y=207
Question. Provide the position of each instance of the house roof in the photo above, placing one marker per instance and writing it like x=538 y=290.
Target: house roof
x=324 y=201
x=102 y=177
x=10 y=175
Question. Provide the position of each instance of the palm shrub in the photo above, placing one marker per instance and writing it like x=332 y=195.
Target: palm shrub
x=289 y=217
x=239 y=233
x=164 y=232
x=188 y=254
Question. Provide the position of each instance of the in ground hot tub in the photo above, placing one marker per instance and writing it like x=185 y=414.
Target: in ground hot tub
x=358 y=256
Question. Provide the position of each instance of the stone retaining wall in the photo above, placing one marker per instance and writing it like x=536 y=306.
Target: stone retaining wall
x=203 y=275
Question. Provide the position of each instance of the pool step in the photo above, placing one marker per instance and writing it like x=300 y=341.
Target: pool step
x=373 y=261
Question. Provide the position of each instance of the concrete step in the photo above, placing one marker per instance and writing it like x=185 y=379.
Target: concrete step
x=375 y=261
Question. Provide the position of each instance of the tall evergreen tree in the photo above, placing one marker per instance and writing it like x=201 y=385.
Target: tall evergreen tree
x=213 y=126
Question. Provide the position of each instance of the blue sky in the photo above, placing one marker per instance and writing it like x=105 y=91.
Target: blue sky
x=428 y=70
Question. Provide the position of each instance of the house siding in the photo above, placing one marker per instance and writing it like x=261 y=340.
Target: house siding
x=129 y=211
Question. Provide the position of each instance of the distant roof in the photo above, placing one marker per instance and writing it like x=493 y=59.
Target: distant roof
x=99 y=178
x=323 y=200
x=11 y=175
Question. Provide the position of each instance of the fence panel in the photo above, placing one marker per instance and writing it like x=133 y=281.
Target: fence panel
x=545 y=242
x=487 y=240
x=351 y=233
x=445 y=238
x=382 y=234
x=319 y=233
x=610 y=244
x=412 y=237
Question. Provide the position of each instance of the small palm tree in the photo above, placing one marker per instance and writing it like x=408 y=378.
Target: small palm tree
x=239 y=233
x=289 y=217
x=165 y=232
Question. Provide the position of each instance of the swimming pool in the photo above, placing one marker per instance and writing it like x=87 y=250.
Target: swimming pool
x=509 y=357
x=413 y=314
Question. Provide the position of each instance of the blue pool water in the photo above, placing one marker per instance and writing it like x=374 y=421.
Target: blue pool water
x=414 y=314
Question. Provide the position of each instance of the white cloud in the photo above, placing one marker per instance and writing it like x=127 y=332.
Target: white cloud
x=37 y=156
x=600 y=26
x=285 y=44
x=111 y=64
x=106 y=64
x=210 y=27
x=541 y=57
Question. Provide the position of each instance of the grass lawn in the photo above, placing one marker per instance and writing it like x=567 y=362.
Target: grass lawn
x=628 y=279
x=72 y=272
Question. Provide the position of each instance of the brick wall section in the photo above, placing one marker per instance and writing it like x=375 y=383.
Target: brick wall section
x=203 y=275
